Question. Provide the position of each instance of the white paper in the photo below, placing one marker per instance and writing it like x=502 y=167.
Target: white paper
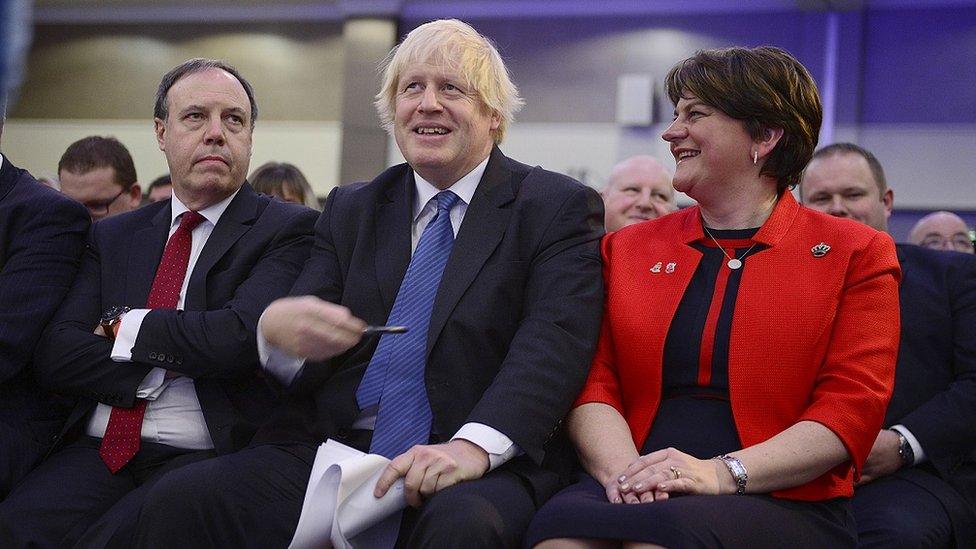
x=339 y=508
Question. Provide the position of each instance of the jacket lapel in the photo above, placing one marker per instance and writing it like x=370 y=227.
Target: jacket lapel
x=483 y=227
x=393 y=222
x=236 y=220
x=145 y=250
x=8 y=176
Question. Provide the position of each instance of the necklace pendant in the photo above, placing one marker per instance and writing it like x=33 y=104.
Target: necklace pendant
x=734 y=264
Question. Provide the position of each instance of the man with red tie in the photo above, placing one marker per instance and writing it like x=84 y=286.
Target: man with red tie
x=157 y=335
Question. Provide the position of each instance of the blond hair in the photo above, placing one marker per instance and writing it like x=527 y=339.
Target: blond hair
x=457 y=46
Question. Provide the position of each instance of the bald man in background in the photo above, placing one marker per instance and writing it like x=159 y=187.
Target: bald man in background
x=639 y=189
x=942 y=231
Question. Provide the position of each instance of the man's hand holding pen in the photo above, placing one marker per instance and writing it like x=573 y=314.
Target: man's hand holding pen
x=312 y=328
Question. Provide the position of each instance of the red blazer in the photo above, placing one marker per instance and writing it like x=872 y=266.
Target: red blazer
x=813 y=338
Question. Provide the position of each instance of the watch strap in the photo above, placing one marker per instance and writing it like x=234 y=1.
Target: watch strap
x=737 y=470
x=905 y=450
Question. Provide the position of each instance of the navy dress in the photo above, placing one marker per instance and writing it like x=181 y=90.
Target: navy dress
x=695 y=416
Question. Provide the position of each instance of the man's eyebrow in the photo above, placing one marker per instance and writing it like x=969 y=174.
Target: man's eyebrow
x=190 y=108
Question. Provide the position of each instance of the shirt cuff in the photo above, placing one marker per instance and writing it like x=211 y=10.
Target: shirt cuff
x=128 y=332
x=152 y=385
x=500 y=448
x=912 y=441
x=281 y=365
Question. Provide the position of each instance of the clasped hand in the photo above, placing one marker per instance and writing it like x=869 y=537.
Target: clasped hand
x=428 y=469
x=655 y=476
x=884 y=458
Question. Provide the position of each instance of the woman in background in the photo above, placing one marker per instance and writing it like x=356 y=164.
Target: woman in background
x=285 y=181
x=748 y=344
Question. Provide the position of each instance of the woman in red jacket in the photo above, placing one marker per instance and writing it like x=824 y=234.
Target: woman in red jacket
x=748 y=344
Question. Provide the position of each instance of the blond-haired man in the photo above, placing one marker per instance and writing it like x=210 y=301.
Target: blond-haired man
x=492 y=265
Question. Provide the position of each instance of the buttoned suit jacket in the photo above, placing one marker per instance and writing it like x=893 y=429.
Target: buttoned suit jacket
x=813 y=337
x=935 y=380
x=516 y=315
x=253 y=255
x=42 y=236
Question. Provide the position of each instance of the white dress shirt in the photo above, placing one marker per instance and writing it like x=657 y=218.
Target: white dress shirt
x=173 y=414
x=285 y=368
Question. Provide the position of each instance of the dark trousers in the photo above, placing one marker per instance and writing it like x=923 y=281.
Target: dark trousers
x=19 y=453
x=254 y=498
x=906 y=509
x=72 y=498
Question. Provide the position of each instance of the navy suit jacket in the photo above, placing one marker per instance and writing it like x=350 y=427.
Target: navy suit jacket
x=935 y=380
x=42 y=236
x=253 y=255
x=515 y=319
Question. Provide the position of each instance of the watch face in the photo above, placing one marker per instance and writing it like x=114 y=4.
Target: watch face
x=113 y=313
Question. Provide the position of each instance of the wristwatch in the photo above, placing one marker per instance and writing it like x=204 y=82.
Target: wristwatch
x=905 y=451
x=111 y=317
x=737 y=470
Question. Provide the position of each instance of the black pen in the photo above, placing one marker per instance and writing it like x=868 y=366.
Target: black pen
x=384 y=330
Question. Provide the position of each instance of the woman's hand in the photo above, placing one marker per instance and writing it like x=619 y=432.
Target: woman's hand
x=653 y=477
x=611 y=476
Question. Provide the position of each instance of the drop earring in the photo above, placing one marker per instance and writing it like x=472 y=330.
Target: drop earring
x=755 y=158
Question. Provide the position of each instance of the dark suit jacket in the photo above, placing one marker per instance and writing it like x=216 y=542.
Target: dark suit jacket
x=42 y=236
x=516 y=315
x=935 y=381
x=253 y=255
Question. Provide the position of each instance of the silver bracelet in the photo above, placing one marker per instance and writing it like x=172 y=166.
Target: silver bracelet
x=737 y=470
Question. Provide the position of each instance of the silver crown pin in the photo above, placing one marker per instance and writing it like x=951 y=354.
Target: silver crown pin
x=820 y=250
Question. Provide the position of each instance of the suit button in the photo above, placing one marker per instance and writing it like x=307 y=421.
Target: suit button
x=179 y=361
x=152 y=356
x=169 y=359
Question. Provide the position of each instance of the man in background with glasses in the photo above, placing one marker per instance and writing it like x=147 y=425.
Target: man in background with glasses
x=99 y=173
x=942 y=231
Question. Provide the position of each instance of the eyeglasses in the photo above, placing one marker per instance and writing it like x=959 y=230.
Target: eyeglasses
x=958 y=242
x=101 y=207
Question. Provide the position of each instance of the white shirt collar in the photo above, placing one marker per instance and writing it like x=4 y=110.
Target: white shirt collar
x=464 y=187
x=210 y=213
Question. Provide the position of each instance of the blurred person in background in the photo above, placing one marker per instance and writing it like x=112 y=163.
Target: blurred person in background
x=99 y=173
x=285 y=181
x=942 y=231
x=639 y=189
x=161 y=188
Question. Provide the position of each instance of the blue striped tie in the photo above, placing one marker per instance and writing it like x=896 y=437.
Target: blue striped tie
x=395 y=375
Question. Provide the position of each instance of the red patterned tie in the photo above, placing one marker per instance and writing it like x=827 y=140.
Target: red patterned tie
x=121 y=440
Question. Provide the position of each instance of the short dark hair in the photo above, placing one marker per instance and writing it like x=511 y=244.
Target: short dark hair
x=191 y=66
x=95 y=151
x=161 y=181
x=850 y=148
x=765 y=87
x=274 y=178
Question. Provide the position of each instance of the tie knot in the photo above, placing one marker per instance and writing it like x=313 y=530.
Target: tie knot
x=446 y=200
x=190 y=219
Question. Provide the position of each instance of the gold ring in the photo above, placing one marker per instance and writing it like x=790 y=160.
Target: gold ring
x=675 y=472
